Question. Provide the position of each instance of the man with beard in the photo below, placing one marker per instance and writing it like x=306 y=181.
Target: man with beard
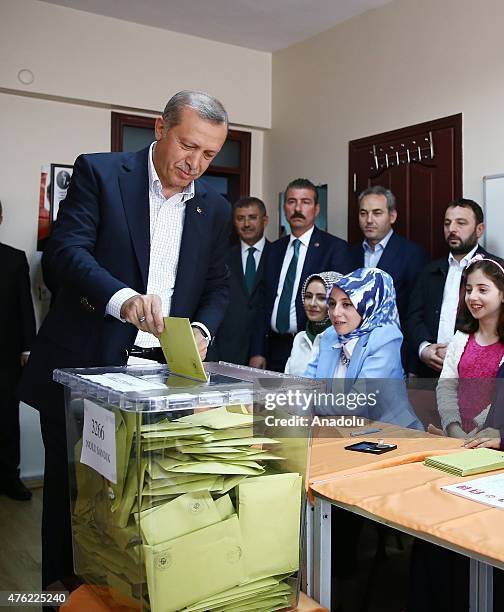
x=435 y=296
x=290 y=260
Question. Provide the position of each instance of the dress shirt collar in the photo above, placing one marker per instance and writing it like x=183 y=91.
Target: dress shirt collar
x=304 y=238
x=382 y=244
x=347 y=348
x=258 y=246
x=155 y=186
x=464 y=261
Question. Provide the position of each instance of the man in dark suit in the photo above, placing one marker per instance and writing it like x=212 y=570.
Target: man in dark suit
x=246 y=266
x=290 y=261
x=434 y=300
x=16 y=336
x=383 y=248
x=138 y=237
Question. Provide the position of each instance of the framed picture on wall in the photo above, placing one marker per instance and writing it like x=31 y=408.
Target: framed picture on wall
x=44 y=209
x=60 y=181
x=321 y=221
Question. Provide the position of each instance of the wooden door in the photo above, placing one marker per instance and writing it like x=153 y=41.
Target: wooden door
x=422 y=166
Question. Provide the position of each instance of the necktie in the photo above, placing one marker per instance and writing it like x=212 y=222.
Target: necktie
x=284 y=303
x=250 y=269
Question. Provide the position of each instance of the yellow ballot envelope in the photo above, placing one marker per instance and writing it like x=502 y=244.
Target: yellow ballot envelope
x=195 y=566
x=219 y=418
x=184 y=514
x=270 y=538
x=180 y=350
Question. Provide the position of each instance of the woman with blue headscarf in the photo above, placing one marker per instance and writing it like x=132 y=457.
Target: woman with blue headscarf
x=364 y=342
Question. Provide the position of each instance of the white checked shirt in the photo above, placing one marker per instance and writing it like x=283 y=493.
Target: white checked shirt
x=303 y=248
x=166 y=226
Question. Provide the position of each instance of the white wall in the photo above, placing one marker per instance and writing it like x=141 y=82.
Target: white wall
x=84 y=66
x=74 y=54
x=36 y=132
x=398 y=65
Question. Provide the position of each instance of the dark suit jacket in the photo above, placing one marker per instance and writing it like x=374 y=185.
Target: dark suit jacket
x=17 y=330
x=325 y=252
x=424 y=312
x=403 y=260
x=100 y=244
x=233 y=340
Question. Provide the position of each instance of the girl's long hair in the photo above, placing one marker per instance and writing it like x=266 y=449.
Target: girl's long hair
x=492 y=268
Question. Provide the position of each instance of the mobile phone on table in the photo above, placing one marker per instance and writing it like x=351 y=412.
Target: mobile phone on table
x=376 y=448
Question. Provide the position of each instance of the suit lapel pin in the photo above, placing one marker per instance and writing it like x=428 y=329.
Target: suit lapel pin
x=198 y=210
x=316 y=244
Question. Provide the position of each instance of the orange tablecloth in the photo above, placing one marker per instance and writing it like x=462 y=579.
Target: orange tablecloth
x=397 y=487
x=329 y=458
x=84 y=599
x=309 y=605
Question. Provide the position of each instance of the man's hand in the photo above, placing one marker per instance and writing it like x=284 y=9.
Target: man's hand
x=144 y=312
x=24 y=359
x=258 y=361
x=201 y=342
x=483 y=443
x=433 y=356
x=436 y=431
x=441 y=350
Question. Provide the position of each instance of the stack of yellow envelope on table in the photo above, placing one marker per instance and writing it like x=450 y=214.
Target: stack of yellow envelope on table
x=220 y=529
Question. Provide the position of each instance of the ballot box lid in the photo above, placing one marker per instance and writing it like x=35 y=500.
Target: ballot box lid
x=152 y=388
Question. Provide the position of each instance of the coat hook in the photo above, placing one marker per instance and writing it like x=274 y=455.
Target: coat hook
x=375 y=156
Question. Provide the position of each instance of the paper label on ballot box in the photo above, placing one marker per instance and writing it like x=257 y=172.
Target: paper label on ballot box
x=99 y=441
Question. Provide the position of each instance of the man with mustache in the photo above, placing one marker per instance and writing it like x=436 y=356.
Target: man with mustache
x=290 y=260
x=137 y=238
x=434 y=300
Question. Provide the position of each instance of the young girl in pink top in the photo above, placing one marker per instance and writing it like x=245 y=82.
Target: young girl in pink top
x=467 y=382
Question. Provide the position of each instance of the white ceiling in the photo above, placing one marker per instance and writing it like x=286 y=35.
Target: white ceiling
x=267 y=25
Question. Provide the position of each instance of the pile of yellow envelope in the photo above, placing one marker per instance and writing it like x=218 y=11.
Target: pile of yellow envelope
x=107 y=547
x=219 y=528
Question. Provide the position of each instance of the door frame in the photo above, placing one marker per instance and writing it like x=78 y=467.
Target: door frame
x=240 y=175
x=452 y=121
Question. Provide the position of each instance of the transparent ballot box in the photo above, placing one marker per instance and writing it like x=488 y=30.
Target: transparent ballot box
x=187 y=495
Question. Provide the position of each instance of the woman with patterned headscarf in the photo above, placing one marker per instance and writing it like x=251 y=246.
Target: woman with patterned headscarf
x=314 y=296
x=364 y=342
